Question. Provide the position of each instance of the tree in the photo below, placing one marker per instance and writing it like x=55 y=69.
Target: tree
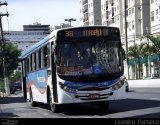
x=155 y=43
x=152 y=46
x=11 y=53
x=136 y=52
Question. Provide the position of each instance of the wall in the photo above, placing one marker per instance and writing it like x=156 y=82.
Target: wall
x=153 y=83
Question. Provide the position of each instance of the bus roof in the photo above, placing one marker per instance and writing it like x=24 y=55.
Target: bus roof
x=45 y=41
x=35 y=47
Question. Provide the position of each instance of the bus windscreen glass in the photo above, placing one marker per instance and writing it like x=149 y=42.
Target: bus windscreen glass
x=87 y=58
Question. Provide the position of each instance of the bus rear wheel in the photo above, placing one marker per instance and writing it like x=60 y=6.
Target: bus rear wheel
x=32 y=103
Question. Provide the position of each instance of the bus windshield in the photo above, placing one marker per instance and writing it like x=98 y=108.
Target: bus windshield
x=89 y=58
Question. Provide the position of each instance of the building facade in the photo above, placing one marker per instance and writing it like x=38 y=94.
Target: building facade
x=155 y=17
x=137 y=17
x=30 y=35
x=90 y=12
x=142 y=18
x=111 y=13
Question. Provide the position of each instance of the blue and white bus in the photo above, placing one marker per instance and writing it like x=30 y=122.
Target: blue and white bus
x=75 y=65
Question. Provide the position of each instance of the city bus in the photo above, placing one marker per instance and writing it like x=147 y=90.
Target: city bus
x=75 y=65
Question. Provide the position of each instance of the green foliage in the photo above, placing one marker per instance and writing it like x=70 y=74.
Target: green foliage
x=155 y=46
x=136 y=51
x=11 y=53
x=2 y=86
x=150 y=47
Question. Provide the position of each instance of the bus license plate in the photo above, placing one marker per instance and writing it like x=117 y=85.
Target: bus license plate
x=93 y=96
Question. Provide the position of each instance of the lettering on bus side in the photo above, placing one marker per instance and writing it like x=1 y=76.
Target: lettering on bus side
x=41 y=79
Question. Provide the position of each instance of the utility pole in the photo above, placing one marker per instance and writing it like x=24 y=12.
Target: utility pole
x=5 y=72
x=70 y=20
x=149 y=62
x=126 y=40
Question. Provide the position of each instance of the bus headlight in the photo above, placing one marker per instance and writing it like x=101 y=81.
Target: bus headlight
x=118 y=85
x=67 y=89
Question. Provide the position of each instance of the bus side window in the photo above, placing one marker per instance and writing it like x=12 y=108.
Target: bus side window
x=45 y=56
x=48 y=55
x=23 y=68
x=33 y=62
x=30 y=63
x=42 y=57
x=37 y=60
x=27 y=65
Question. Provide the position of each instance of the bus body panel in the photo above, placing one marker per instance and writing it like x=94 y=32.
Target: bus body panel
x=37 y=82
x=72 y=92
x=73 y=95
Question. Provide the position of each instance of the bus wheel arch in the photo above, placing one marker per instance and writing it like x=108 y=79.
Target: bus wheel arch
x=32 y=103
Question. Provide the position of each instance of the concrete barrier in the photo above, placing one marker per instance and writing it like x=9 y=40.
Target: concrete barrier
x=2 y=94
x=153 y=83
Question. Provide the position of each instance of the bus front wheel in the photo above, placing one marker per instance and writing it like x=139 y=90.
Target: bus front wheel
x=53 y=107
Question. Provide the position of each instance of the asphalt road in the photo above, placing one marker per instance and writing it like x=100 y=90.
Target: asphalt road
x=140 y=103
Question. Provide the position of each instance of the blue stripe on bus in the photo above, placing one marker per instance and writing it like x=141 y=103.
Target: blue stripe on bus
x=75 y=85
x=39 y=78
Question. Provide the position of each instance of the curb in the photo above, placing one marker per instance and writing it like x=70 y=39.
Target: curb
x=146 y=83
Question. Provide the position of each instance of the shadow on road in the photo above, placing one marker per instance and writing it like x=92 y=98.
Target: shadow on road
x=119 y=106
x=7 y=100
x=7 y=115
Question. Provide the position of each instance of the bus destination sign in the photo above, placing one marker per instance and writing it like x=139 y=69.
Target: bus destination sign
x=87 y=33
x=84 y=33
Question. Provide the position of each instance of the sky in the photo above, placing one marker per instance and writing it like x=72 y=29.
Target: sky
x=52 y=12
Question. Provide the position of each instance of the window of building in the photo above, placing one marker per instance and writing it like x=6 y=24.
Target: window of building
x=152 y=16
x=157 y=12
x=152 y=1
x=117 y=8
x=118 y=18
x=132 y=24
x=132 y=10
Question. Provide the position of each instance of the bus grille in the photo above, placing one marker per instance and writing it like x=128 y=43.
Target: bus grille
x=87 y=96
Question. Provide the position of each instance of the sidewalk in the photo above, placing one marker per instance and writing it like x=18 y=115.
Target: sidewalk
x=146 y=83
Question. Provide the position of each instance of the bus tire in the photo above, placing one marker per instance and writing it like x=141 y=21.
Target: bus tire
x=53 y=107
x=104 y=106
x=32 y=103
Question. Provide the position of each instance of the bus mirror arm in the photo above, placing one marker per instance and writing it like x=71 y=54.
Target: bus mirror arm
x=56 y=61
